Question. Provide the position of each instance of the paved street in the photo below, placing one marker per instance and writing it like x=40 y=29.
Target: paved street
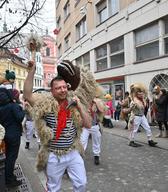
x=122 y=168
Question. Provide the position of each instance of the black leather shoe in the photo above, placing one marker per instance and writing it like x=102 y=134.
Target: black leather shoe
x=96 y=160
x=133 y=144
x=152 y=143
x=14 y=183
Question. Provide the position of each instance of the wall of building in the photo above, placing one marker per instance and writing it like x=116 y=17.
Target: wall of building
x=125 y=23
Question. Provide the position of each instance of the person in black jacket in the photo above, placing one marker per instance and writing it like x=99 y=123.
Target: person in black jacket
x=161 y=101
x=11 y=116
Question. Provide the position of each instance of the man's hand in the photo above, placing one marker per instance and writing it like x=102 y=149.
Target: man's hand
x=31 y=65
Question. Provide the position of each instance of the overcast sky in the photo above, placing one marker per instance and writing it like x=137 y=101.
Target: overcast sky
x=47 y=17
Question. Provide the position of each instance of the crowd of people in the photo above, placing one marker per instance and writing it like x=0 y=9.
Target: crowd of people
x=64 y=128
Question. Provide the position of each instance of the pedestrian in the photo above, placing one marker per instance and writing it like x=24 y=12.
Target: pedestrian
x=108 y=115
x=2 y=134
x=117 y=111
x=97 y=110
x=137 y=117
x=59 y=123
x=8 y=80
x=28 y=125
x=11 y=116
x=161 y=101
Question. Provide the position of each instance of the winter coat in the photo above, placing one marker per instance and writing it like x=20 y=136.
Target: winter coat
x=11 y=115
x=162 y=108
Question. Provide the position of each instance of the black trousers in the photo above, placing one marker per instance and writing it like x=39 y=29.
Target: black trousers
x=107 y=123
x=12 y=150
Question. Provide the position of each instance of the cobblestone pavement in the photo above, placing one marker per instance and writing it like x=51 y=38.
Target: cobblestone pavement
x=122 y=168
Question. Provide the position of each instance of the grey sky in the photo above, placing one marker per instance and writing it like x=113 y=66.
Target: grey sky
x=47 y=15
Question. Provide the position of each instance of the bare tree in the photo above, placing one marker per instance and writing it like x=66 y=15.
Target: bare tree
x=19 y=16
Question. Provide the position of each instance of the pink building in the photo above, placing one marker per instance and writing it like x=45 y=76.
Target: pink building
x=49 y=59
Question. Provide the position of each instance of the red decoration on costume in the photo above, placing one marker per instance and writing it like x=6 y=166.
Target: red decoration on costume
x=16 y=50
x=63 y=114
x=56 y=31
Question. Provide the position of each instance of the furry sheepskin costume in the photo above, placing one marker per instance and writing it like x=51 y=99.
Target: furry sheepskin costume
x=45 y=103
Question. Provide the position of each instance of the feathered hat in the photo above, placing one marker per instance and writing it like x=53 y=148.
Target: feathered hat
x=137 y=87
x=70 y=73
x=156 y=89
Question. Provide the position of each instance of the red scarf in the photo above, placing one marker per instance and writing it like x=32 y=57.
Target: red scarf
x=63 y=114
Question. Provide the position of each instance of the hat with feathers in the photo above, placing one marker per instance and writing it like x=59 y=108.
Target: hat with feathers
x=70 y=73
x=137 y=87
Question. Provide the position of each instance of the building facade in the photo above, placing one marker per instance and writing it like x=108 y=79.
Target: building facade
x=14 y=63
x=122 y=42
x=49 y=59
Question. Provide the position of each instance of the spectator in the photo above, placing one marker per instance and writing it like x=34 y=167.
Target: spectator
x=107 y=120
x=117 y=111
x=11 y=116
x=161 y=101
x=97 y=108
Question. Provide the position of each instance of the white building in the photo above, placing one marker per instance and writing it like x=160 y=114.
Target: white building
x=123 y=42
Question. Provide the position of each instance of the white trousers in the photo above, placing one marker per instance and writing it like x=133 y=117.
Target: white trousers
x=140 y=120
x=96 y=139
x=29 y=130
x=56 y=166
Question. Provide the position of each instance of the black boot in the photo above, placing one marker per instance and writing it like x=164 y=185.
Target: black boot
x=152 y=143
x=27 y=145
x=133 y=144
x=14 y=183
x=96 y=160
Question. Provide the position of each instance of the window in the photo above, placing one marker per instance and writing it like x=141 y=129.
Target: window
x=48 y=51
x=101 y=57
x=84 y=60
x=147 y=42
x=166 y=45
x=79 y=61
x=66 y=10
x=81 y=28
x=161 y=80
x=166 y=36
x=59 y=50
x=58 y=20
x=67 y=42
x=117 y=52
x=113 y=6
x=102 y=11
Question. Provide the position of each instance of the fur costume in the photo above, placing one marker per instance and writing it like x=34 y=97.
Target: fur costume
x=136 y=105
x=45 y=103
